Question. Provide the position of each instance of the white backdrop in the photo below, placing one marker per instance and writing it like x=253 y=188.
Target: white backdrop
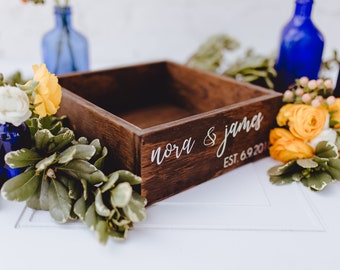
x=122 y=32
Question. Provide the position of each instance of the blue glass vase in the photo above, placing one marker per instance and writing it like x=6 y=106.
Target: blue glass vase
x=64 y=49
x=12 y=138
x=300 y=49
x=336 y=91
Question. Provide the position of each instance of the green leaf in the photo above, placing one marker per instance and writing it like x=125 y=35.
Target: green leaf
x=121 y=195
x=79 y=208
x=297 y=177
x=127 y=176
x=281 y=179
x=21 y=187
x=81 y=169
x=102 y=231
x=333 y=168
x=43 y=139
x=326 y=150
x=119 y=235
x=282 y=169
x=60 y=204
x=91 y=217
x=85 y=188
x=112 y=179
x=135 y=209
x=39 y=200
x=60 y=141
x=78 y=151
x=45 y=163
x=99 y=163
x=74 y=191
x=317 y=181
x=101 y=208
x=307 y=163
x=22 y=158
x=83 y=140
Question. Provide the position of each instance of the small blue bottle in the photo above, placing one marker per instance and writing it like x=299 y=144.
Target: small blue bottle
x=12 y=138
x=301 y=48
x=64 y=49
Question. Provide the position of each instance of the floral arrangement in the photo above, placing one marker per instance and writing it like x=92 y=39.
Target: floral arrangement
x=64 y=174
x=57 y=2
x=307 y=140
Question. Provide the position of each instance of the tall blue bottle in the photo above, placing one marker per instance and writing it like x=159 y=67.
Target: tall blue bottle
x=300 y=49
x=64 y=49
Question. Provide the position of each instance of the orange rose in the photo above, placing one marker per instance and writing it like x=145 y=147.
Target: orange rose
x=286 y=147
x=283 y=115
x=306 y=122
x=334 y=111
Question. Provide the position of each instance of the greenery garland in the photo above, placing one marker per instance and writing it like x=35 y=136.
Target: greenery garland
x=63 y=176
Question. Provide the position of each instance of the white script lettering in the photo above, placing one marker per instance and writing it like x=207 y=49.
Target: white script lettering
x=159 y=157
x=236 y=127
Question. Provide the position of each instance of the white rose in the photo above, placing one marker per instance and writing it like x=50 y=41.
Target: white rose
x=328 y=135
x=14 y=105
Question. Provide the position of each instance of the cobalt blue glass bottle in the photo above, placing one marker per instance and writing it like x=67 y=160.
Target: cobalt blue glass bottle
x=11 y=138
x=300 y=49
x=336 y=91
x=64 y=49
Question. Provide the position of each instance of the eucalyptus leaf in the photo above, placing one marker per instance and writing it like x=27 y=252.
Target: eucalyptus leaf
x=21 y=187
x=326 y=149
x=121 y=195
x=60 y=204
x=318 y=181
x=45 y=163
x=101 y=208
x=78 y=151
x=135 y=209
x=22 y=158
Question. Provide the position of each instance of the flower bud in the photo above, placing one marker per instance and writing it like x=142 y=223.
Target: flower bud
x=312 y=84
x=306 y=98
x=329 y=84
x=303 y=81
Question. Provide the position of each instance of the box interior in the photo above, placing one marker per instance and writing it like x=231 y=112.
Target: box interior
x=158 y=93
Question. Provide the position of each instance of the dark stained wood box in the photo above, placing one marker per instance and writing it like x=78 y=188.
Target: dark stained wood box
x=174 y=126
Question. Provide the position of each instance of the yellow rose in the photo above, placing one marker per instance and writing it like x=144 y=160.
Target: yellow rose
x=306 y=122
x=334 y=110
x=283 y=115
x=286 y=147
x=48 y=92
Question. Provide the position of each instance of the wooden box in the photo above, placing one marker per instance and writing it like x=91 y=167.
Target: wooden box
x=174 y=126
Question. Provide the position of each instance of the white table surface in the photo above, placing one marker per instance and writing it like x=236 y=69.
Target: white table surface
x=236 y=221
